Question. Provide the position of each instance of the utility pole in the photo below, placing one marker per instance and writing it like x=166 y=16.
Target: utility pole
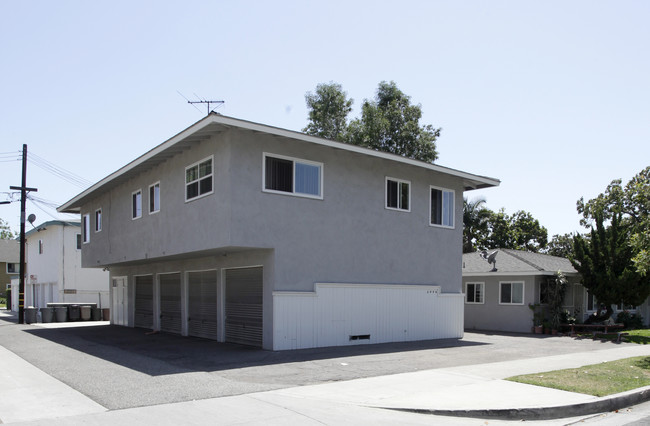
x=23 y=197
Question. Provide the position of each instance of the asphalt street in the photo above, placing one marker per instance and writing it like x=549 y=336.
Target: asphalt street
x=121 y=367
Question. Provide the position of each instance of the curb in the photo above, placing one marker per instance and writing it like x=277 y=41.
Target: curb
x=601 y=405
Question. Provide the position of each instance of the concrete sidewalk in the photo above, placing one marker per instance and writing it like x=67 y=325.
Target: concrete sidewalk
x=27 y=394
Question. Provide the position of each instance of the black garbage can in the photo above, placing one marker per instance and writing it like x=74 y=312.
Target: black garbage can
x=74 y=313
x=96 y=314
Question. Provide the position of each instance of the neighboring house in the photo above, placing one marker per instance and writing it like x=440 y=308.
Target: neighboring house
x=247 y=233
x=498 y=300
x=9 y=264
x=54 y=271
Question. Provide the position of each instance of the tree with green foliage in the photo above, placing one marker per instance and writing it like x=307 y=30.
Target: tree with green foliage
x=560 y=246
x=604 y=260
x=475 y=223
x=613 y=258
x=328 y=112
x=521 y=231
x=5 y=231
x=391 y=124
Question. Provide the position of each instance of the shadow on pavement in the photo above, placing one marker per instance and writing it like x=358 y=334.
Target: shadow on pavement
x=172 y=354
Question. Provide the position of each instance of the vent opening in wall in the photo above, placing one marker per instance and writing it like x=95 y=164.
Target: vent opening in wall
x=360 y=337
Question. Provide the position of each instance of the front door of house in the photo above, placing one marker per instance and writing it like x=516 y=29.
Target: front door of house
x=119 y=311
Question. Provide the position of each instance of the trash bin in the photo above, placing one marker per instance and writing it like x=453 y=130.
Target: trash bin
x=85 y=313
x=47 y=314
x=61 y=313
x=106 y=314
x=74 y=313
x=96 y=314
x=30 y=315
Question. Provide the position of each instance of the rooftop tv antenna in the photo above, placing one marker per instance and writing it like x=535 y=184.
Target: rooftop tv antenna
x=203 y=101
x=491 y=258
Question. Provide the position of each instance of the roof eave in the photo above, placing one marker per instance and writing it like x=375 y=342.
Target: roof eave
x=470 y=181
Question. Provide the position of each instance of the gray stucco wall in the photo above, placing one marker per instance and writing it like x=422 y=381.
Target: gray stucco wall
x=348 y=236
x=491 y=315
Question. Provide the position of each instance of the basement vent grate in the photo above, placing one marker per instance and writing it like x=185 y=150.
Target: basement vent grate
x=360 y=337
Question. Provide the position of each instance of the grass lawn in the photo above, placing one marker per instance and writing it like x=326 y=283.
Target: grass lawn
x=599 y=379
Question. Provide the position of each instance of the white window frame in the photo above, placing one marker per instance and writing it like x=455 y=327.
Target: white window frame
x=453 y=207
x=199 y=179
x=16 y=268
x=321 y=176
x=98 y=220
x=134 y=213
x=85 y=228
x=523 y=292
x=153 y=186
x=481 y=292
x=399 y=193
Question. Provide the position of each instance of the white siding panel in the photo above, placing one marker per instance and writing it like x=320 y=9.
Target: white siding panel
x=345 y=314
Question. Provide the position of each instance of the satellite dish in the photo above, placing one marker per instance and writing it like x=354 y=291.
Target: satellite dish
x=490 y=258
x=31 y=218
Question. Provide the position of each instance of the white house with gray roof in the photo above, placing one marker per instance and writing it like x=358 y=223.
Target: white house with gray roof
x=497 y=300
x=248 y=233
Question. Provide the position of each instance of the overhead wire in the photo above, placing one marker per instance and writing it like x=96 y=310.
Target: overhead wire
x=62 y=173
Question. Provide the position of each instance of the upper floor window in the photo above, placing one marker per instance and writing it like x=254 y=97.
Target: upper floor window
x=78 y=241
x=511 y=293
x=136 y=204
x=442 y=207
x=398 y=194
x=40 y=246
x=98 y=220
x=474 y=293
x=154 y=198
x=198 y=179
x=293 y=176
x=85 y=228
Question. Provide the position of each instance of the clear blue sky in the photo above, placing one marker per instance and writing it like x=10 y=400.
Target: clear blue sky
x=550 y=97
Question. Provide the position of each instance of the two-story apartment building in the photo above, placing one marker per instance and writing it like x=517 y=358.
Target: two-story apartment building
x=54 y=271
x=247 y=233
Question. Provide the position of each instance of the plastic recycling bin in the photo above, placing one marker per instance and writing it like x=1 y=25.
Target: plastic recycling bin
x=47 y=314
x=61 y=313
x=30 y=315
x=84 y=313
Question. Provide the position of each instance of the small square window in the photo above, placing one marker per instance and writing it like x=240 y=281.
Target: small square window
x=398 y=194
x=511 y=293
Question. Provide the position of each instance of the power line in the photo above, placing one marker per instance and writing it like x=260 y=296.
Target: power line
x=58 y=171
